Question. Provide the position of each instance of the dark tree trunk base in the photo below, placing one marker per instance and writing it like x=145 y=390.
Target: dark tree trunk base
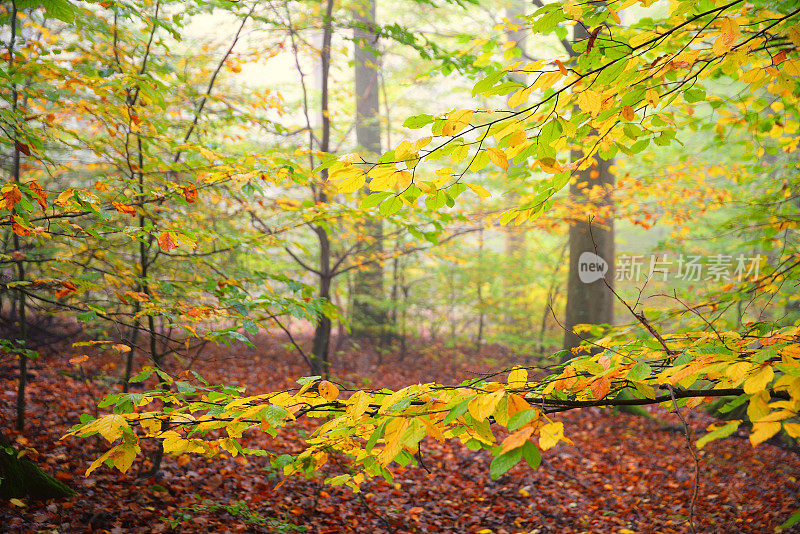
x=22 y=479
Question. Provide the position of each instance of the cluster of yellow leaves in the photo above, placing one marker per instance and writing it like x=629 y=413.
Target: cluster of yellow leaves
x=376 y=428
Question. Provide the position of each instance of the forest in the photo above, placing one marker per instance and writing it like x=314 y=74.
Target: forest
x=457 y=266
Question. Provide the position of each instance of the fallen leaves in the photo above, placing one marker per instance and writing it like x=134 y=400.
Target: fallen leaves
x=622 y=473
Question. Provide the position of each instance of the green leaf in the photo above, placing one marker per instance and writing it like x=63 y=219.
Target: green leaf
x=793 y=520
x=721 y=432
x=519 y=419
x=501 y=464
x=274 y=415
x=142 y=376
x=695 y=94
x=391 y=205
x=374 y=199
x=418 y=121
x=639 y=372
x=531 y=454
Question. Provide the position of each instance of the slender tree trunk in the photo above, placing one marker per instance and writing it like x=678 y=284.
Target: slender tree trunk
x=320 y=363
x=590 y=234
x=479 y=294
x=515 y=236
x=369 y=315
x=20 y=265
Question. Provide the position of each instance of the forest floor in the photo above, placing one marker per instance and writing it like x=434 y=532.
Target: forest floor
x=624 y=474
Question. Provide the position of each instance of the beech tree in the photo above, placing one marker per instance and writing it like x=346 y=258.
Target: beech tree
x=712 y=67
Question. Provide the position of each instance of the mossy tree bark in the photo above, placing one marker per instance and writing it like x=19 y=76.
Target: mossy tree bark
x=22 y=479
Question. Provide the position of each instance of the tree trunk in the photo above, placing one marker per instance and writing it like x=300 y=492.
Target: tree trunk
x=589 y=300
x=20 y=265
x=22 y=479
x=320 y=363
x=515 y=236
x=369 y=315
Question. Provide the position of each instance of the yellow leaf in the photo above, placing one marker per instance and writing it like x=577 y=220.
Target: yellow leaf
x=550 y=434
x=403 y=179
x=433 y=431
x=518 y=378
x=64 y=197
x=457 y=121
x=97 y=463
x=517 y=439
x=591 y=102
x=793 y=429
x=546 y=80
x=173 y=442
x=17 y=502
x=479 y=190
x=794 y=35
x=110 y=426
x=357 y=404
x=349 y=179
x=483 y=405
x=759 y=380
x=382 y=178
x=520 y=97
x=763 y=431
x=403 y=150
x=516 y=403
x=229 y=445
x=791 y=67
x=328 y=390
x=651 y=95
x=640 y=39
x=498 y=157
x=737 y=371
x=394 y=431
x=123 y=457
x=729 y=33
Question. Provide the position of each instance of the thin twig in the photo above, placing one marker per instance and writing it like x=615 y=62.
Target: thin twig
x=696 y=482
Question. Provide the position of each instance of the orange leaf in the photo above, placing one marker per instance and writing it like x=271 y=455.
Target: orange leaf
x=167 y=241
x=517 y=439
x=41 y=196
x=22 y=147
x=516 y=403
x=78 y=359
x=189 y=193
x=498 y=157
x=12 y=195
x=328 y=391
x=627 y=113
x=122 y=208
x=562 y=68
x=141 y=297
x=601 y=387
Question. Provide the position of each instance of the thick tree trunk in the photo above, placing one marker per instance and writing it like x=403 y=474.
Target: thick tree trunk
x=589 y=300
x=369 y=315
x=22 y=479
x=591 y=234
